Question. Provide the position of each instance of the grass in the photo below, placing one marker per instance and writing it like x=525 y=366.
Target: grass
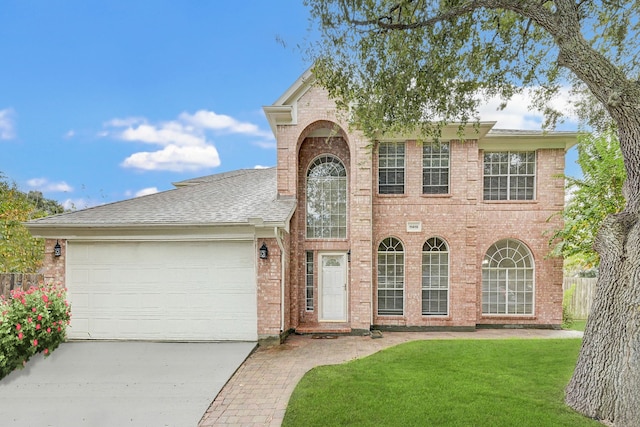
x=443 y=383
x=578 y=325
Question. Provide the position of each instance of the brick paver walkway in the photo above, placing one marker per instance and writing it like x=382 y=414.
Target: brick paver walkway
x=258 y=393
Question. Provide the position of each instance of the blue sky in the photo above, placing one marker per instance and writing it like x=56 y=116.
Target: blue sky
x=103 y=101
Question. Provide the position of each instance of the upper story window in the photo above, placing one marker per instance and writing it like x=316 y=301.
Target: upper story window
x=326 y=199
x=435 y=168
x=509 y=175
x=391 y=168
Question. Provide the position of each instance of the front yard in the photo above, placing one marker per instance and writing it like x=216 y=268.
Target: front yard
x=443 y=383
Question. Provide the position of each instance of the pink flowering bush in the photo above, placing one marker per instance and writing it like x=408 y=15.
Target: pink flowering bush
x=31 y=321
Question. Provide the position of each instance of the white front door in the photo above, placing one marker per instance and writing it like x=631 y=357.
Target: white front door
x=333 y=287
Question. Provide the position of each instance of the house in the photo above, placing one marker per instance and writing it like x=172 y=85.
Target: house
x=337 y=238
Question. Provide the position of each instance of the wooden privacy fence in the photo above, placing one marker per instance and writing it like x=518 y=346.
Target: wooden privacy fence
x=583 y=293
x=11 y=281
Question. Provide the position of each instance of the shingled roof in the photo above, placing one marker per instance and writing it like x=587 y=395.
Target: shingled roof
x=237 y=197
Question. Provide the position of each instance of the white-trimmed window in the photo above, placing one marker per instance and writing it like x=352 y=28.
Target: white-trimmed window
x=507 y=279
x=390 y=277
x=509 y=175
x=435 y=277
x=391 y=168
x=326 y=199
x=309 y=281
x=435 y=168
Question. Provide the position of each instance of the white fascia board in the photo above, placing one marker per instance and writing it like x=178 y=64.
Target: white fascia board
x=284 y=111
x=533 y=141
x=148 y=232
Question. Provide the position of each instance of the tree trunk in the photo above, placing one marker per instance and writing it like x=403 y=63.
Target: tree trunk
x=606 y=382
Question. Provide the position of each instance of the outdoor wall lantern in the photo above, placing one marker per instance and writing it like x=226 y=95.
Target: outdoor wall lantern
x=264 y=251
x=57 y=249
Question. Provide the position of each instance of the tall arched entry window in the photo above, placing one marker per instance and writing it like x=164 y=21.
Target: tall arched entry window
x=435 y=277
x=326 y=199
x=507 y=279
x=390 y=277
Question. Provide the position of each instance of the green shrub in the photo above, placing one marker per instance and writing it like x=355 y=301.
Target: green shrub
x=31 y=321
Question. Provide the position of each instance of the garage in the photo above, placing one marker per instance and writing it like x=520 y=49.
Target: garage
x=162 y=290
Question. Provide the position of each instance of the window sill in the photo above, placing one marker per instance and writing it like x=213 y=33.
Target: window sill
x=391 y=196
x=509 y=316
x=514 y=202
x=436 y=196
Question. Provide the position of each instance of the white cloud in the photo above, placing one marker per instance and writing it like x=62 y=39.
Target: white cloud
x=165 y=134
x=77 y=204
x=183 y=144
x=146 y=191
x=7 y=124
x=266 y=145
x=210 y=120
x=70 y=134
x=518 y=113
x=129 y=121
x=261 y=167
x=175 y=158
x=43 y=184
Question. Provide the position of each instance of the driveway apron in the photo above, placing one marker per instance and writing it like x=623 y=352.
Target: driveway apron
x=119 y=384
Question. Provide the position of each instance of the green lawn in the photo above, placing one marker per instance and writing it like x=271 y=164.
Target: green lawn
x=443 y=383
x=578 y=325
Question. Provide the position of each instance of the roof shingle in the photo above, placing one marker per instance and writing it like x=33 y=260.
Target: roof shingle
x=227 y=198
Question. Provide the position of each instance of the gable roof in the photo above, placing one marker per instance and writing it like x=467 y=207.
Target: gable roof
x=241 y=197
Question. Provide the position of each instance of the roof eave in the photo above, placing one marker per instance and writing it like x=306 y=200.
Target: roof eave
x=563 y=140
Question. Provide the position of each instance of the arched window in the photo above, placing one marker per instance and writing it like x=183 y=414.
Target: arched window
x=326 y=199
x=390 y=277
x=507 y=279
x=435 y=278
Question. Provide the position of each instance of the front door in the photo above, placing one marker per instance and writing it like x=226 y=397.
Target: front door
x=333 y=287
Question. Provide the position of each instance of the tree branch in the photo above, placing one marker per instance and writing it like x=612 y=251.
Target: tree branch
x=533 y=11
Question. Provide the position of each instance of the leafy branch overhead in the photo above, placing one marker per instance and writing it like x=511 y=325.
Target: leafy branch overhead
x=400 y=65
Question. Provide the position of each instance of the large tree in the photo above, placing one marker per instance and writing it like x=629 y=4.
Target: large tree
x=19 y=251
x=412 y=65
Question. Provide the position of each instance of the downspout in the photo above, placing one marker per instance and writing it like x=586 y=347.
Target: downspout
x=282 y=282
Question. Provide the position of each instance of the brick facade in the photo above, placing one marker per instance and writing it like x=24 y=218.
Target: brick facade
x=54 y=268
x=306 y=126
x=468 y=224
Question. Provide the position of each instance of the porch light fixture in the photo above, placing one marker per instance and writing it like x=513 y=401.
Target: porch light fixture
x=264 y=251
x=57 y=249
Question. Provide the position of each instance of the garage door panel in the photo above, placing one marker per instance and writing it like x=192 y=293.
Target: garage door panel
x=162 y=290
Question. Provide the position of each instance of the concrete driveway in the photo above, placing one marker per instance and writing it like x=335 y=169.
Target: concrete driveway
x=119 y=384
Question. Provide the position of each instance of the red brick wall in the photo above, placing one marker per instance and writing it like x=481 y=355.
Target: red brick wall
x=54 y=268
x=467 y=223
x=309 y=150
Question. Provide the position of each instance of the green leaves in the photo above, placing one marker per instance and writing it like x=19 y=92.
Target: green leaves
x=404 y=66
x=19 y=251
x=31 y=322
x=591 y=198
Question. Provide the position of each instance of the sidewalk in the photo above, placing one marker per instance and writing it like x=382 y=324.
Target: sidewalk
x=258 y=393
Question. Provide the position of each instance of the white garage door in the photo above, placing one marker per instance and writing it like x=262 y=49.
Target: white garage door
x=162 y=290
